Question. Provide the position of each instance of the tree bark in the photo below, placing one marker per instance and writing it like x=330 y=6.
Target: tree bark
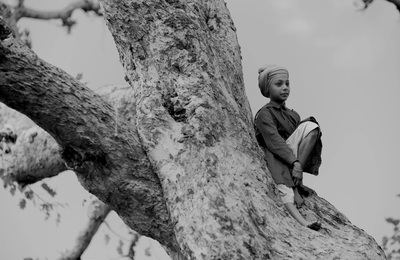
x=33 y=156
x=96 y=143
x=187 y=161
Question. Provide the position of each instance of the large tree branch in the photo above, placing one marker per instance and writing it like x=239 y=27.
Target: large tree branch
x=78 y=118
x=97 y=143
x=34 y=155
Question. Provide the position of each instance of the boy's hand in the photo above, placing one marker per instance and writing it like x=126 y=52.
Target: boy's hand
x=297 y=173
x=297 y=176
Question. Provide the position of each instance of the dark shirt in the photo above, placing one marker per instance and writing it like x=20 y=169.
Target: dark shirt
x=276 y=124
x=273 y=125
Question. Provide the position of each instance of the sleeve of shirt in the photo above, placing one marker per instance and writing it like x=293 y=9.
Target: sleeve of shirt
x=274 y=142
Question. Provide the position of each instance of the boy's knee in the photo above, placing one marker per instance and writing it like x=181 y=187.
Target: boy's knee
x=286 y=193
x=314 y=134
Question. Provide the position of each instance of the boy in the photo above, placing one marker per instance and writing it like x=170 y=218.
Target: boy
x=291 y=145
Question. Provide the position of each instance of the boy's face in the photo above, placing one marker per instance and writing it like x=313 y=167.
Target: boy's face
x=279 y=89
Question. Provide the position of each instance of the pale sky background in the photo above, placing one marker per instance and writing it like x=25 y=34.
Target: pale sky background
x=344 y=70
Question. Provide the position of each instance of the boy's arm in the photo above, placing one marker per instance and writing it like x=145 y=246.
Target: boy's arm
x=274 y=142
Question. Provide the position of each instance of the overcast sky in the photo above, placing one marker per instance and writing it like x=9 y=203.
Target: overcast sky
x=344 y=69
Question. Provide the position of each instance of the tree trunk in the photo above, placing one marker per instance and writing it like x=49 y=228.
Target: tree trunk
x=185 y=167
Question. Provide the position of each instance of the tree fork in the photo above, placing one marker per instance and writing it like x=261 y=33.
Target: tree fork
x=102 y=149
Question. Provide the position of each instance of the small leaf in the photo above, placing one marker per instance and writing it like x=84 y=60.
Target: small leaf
x=48 y=189
x=385 y=239
x=13 y=189
x=106 y=239
x=46 y=207
x=58 y=219
x=79 y=76
x=22 y=203
x=397 y=239
x=395 y=222
x=6 y=181
x=119 y=248
x=29 y=194
x=147 y=251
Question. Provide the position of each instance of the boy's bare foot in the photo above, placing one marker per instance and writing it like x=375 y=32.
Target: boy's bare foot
x=298 y=199
x=315 y=226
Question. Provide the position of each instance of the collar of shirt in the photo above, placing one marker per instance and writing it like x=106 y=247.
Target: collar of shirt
x=283 y=106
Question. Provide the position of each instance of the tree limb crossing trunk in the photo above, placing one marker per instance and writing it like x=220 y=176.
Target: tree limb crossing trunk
x=97 y=143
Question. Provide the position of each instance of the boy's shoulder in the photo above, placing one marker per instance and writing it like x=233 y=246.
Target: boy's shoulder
x=271 y=107
x=271 y=111
x=294 y=111
x=264 y=109
x=264 y=112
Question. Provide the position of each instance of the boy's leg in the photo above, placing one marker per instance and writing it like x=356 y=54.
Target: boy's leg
x=302 y=142
x=294 y=212
x=298 y=199
x=297 y=216
x=306 y=146
x=287 y=197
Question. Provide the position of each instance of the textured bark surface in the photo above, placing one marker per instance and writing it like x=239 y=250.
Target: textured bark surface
x=33 y=156
x=96 y=143
x=178 y=161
